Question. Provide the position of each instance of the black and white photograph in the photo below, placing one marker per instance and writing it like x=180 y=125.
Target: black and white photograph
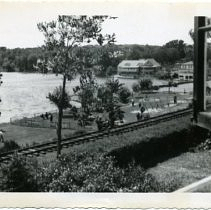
x=105 y=97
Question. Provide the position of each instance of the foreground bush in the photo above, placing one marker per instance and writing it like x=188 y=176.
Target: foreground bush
x=85 y=173
x=19 y=175
x=8 y=146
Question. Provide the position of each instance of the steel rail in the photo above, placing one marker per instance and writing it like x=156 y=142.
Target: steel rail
x=93 y=136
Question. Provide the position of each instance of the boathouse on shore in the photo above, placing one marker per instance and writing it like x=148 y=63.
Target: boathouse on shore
x=138 y=67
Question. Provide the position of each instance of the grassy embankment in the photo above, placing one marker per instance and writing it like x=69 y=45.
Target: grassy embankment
x=161 y=138
x=162 y=149
x=24 y=135
x=184 y=169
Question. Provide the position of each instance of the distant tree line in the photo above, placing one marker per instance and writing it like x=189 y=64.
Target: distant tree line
x=103 y=61
x=167 y=54
x=18 y=60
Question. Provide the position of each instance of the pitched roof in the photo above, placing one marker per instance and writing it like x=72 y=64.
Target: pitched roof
x=131 y=63
x=188 y=63
x=137 y=63
x=153 y=61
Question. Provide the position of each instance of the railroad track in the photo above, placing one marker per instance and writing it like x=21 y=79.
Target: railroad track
x=92 y=136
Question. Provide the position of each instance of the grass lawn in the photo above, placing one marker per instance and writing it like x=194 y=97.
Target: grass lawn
x=184 y=169
x=27 y=135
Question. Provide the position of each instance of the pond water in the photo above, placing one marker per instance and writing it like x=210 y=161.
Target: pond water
x=24 y=95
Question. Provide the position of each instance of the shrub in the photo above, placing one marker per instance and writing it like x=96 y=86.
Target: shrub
x=124 y=95
x=135 y=87
x=19 y=175
x=8 y=146
x=145 y=84
x=110 y=70
x=85 y=173
x=206 y=145
x=155 y=87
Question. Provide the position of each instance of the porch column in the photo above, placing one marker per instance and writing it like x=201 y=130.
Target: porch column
x=199 y=91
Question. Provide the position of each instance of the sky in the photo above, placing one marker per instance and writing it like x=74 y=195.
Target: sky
x=138 y=22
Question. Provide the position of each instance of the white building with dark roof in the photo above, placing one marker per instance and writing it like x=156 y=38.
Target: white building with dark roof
x=138 y=67
x=185 y=71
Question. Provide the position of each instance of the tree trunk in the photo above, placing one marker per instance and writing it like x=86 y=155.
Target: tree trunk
x=59 y=125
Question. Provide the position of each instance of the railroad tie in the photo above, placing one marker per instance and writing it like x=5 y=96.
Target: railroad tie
x=88 y=139
x=99 y=137
x=42 y=152
x=120 y=132
x=32 y=150
x=50 y=149
x=23 y=152
x=127 y=129
x=29 y=155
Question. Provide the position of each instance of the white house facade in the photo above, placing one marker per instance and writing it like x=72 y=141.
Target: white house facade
x=138 y=67
x=185 y=71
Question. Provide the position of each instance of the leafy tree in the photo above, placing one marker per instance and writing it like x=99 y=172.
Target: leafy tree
x=105 y=60
x=62 y=38
x=56 y=96
x=110 y=70
x=110 y=97
x=113 y=85
x=124 y=95
x=160 y=55
x=137 y=52
x=86 y=91
x=8 y=65
x=177 y=44
x=145 y=84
